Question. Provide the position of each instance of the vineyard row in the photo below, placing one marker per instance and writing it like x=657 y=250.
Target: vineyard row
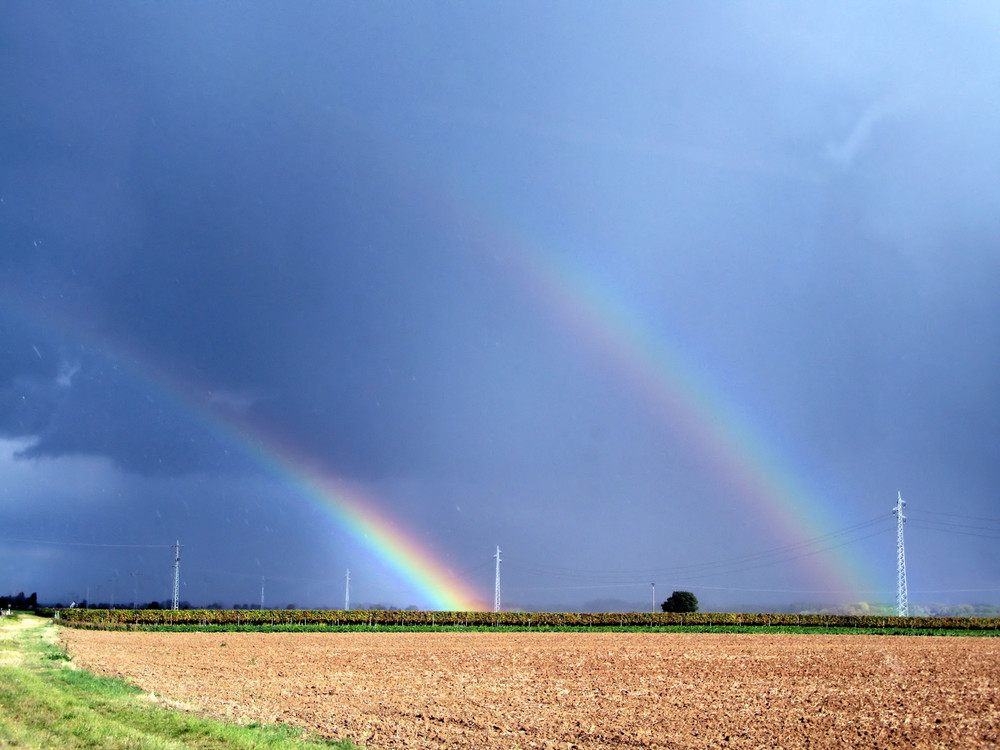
x=129 y=617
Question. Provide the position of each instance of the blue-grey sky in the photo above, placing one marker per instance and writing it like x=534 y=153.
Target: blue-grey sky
x=640 y=293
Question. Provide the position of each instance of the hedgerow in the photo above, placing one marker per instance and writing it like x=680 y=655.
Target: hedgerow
x=125 y=618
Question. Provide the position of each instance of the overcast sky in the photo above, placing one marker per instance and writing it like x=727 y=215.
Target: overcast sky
x=642 y=293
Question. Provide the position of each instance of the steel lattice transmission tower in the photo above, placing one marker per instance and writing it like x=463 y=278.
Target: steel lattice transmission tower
x=177 y=573
x=902 y=606
x=496 y=585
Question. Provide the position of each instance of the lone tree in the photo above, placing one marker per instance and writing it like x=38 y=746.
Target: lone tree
x=681 y=601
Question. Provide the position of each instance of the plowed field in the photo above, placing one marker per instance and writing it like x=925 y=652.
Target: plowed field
x=576 y=690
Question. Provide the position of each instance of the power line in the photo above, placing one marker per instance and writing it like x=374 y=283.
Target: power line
x=232 y=574
x=764 y=558
x=719 y=588
x=953 y=528
x=581 y=588
x=625 y=579
x=85 y=544
x=789 y=591
x=978 y=527
x=809 y=553
x=774 y=552
x=476 y=568
x=955 y=515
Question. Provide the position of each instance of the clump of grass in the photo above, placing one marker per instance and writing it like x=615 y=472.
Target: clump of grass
x=47 y=704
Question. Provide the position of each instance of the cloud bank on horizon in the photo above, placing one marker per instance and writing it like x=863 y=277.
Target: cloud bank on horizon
x=642 y=293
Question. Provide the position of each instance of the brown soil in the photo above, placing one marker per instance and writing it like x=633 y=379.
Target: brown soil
x=576 y=690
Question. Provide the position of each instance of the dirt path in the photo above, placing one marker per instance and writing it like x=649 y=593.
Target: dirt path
x=11 y=623
x=12 y=630
x=582 y=690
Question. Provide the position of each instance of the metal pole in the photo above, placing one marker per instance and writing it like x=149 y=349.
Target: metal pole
x=496 y=585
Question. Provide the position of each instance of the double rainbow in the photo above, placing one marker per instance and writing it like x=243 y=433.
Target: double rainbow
x=663 y=378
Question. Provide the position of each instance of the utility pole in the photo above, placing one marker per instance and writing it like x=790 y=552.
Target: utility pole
x=496 y=585
x=177 y=572
x=902 y=606
x=347 y=590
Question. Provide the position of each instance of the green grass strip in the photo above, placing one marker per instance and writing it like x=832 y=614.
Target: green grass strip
x=46 y=704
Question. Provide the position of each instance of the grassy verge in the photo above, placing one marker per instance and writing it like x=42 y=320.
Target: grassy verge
x=45 y=703
x=760 y=629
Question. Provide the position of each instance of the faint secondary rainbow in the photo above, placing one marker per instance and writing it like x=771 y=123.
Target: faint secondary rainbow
x=667 y=381
x=658 y=371
x=670 y=385
x=352 y=508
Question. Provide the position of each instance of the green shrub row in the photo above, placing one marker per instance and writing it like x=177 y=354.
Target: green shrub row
x=130 y=617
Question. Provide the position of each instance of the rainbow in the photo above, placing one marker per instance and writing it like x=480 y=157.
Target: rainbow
x=354 y=509
x=654 y=368
x=669 y=382
x=673 y=389
x=359 y=513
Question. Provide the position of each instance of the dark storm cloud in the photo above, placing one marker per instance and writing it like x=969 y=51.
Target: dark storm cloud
x=255 y=235
x=316 y=219
x=269 y=229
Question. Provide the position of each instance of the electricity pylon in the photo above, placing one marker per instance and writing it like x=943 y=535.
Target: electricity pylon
x=177 y=573
x=496 y=585
x=902 y=606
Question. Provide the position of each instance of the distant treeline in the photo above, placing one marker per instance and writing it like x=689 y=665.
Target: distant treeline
x=19 y=601
x=916 y=610
x=104 y=618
